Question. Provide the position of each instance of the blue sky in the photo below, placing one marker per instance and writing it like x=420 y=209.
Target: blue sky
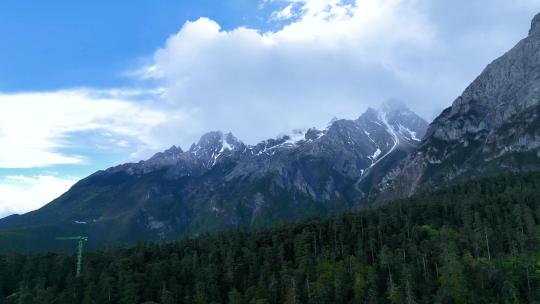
x=85 y=85
x=51 y=45
x=58 y=45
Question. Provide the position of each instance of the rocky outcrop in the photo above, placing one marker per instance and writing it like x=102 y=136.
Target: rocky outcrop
x=492 y=127
x=535 y=26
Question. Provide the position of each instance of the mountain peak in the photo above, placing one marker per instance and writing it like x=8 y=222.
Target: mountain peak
x=393 y=105
x=535 y=26
x=215 y=141
x=174 y=149
x=210 y=138
x=371 y=112
x=171 y=154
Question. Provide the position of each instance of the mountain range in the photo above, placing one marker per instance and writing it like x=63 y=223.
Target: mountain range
x=387 y=153
x=222 y=183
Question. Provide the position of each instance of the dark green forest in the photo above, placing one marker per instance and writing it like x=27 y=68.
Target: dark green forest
x=473 y=243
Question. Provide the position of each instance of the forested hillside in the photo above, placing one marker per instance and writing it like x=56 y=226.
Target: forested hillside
x=475 y=243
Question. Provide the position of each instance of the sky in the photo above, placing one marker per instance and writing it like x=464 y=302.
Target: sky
x=85 y=85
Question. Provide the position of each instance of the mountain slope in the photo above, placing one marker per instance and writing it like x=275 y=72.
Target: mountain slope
x=222 y=183
x=475 y=243
x=493 y=126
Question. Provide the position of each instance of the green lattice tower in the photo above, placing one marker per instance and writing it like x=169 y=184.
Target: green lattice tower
x=81 y=240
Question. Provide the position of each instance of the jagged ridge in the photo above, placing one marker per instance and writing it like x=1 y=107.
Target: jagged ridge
x=492 y=127
x=220 y=182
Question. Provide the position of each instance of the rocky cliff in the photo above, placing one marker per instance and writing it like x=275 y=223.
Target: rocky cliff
x=492 y=127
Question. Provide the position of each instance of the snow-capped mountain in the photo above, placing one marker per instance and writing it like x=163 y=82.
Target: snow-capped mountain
x=215 y=145
x=221 y=182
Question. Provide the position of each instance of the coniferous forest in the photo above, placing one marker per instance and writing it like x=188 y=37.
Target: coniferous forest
x=473 y=243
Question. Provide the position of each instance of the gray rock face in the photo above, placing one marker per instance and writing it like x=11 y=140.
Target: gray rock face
x=215 y=145
x=221 y=182
x=491 y=127
x=535 y=26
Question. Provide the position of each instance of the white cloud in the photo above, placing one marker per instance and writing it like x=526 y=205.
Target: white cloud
x=284 y=14
x=34 y=127
x=317 y=67
x=39 y=130
x=333 y=58
x=20 y=194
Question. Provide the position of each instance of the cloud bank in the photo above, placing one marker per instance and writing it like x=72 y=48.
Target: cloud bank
x=30 y=193
x=332 y=58
x=35 y=127
x=39 y=130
